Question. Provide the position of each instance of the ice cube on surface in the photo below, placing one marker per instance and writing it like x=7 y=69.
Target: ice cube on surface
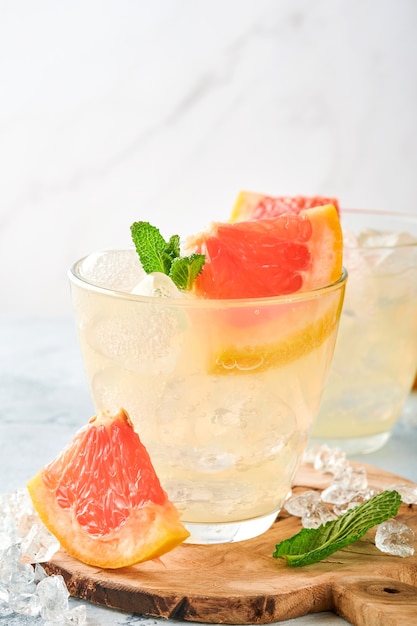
x=329 y=460
x=319 y=515
x=407 y=492
x=5 y=608
x=39 y=545
x=22 y=577
x=334 y=494
x=303 y=503
x=341 y=509
x=310 y=454
x=24 y=603
x=395 y=538
x=347 y=482
x=53 y=595
x=17 y=513
x=9 y=560
x=352 y=478
x=308 y=506
x=40 y=573
x=7 y=534
x=21 y=584
x=358 y=498
x=119 y=270
x=76 y=616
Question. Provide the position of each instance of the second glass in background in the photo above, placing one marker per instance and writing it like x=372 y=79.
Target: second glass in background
x=376 y=351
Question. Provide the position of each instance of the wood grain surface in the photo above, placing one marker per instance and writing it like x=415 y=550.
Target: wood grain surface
x=240 y=583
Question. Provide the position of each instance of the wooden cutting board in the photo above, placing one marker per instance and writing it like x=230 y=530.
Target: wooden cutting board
x=241 y=583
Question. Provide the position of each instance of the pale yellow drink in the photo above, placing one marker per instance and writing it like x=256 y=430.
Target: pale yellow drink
x=376 y=352
x=222 y=393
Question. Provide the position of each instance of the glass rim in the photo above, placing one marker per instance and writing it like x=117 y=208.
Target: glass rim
x=77 y=279
x=396 y=215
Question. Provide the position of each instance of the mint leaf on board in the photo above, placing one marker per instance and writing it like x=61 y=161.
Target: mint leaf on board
x=158 y=255
x=311 y=545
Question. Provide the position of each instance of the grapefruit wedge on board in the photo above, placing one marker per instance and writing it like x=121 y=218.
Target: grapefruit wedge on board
x=102 y=499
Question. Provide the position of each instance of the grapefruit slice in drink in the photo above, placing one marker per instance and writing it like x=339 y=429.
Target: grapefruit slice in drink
x=286 y=254
x=271 y=256
x=102 y=499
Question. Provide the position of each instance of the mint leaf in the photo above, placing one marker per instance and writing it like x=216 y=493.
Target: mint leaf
x=173 y=248
x=311 y=545
x=158 y=255
x=151 y=247
x=184 y=271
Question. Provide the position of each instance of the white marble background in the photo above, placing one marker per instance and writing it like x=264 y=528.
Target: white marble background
x=118 y=110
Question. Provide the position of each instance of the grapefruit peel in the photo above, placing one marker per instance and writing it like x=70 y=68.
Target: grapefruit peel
x=250 y=359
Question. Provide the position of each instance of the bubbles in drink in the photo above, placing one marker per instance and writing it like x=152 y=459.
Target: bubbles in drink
x=227 y=445
x=114 y=388
x=214 y=499
x=215 y=420
x=147 y=340
x=119 y=270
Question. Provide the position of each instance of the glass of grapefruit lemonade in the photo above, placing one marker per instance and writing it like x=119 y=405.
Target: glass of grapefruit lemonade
x=222 y=391
x=375 y=360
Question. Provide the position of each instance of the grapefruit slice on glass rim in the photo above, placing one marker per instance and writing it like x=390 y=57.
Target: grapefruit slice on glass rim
x=102 y=499
x=283 y=255
x=273 y=256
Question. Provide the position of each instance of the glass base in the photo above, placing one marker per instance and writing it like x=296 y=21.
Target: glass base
x=229 y=532
x=356 y=445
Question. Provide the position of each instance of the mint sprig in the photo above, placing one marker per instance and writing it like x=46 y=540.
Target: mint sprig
x=158 y=255
x=311 y=545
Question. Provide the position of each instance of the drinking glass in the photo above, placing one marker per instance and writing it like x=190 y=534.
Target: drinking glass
x=222 y=393
x=375 y=359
